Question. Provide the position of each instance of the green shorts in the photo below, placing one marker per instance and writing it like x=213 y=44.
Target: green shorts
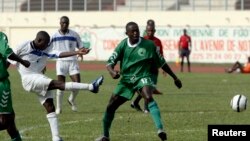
x=5 y=97
x=128 y=89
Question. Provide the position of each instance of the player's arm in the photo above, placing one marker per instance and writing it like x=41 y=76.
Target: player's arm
x=14 y=57
x=161 y=62
x=114 y=73
x=81 y=51
x=190 y=43
x=11 y=55
x=168 y=70
x=112 y=61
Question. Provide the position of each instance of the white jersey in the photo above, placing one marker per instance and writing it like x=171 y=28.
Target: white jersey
x=37 y=58
x=66 y=42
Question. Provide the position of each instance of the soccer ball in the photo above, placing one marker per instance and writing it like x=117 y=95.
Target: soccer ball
x=239 y=103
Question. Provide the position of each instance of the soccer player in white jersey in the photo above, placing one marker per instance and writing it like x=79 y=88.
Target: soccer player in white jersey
x=66 y=39
x=33 y=80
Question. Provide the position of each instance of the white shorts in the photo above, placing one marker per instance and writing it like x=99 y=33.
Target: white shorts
x=38 y=83
x=65 y=67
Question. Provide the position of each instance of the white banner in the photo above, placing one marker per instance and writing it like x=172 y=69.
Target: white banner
x=209 y=44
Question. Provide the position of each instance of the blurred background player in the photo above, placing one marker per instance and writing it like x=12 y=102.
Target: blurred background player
x=150 y=30
x=66 y=39
x=134 y=54
x=149 y=22
x=238 y=66
x=7 y=114
x=33 y=79
x=185 y=46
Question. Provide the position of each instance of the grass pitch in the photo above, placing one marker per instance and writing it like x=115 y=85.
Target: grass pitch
x=186 y=113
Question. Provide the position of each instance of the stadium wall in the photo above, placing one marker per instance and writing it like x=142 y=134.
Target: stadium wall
x=217 y=37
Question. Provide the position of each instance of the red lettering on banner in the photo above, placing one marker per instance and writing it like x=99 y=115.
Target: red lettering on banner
x=230 y=45
x=110 y=44
x=169 y=44
x=212 y=45
x=243 y=45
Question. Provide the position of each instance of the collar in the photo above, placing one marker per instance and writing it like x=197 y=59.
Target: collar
x=134 y=45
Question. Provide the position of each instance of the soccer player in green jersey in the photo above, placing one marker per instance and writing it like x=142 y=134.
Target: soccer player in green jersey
x=137 y=58
x=7 y=114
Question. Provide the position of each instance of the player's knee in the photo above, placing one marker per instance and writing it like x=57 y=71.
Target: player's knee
x=49 y=105
x=6 y=121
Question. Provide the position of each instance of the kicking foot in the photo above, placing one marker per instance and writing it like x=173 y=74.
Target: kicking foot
x=58 y=111
x=162 y=135
x=73 y=105
x=135 y=106
x=102 y=138
x=96 y=84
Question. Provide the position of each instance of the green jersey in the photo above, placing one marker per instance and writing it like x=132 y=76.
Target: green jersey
x=136 y=61
x=5 y=92
x=5 y=51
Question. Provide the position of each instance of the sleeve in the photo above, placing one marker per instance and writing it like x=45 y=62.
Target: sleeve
x=5 y=50
x=79 y=41
x=116 y=55
x=159 y=45
x=20 y=51
x=159 y=59
x=52 y=53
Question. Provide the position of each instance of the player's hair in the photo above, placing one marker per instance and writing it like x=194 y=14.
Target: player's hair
x=151 y=22
x=64 y=17
x=129 y=24
x=43 y=35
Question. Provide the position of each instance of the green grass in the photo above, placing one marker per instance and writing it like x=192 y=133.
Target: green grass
x=203 y=100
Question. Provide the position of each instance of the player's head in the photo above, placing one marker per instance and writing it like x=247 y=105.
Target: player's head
x=133 y=32
x=64 y=23
x=3 y=37
x=184 y=31
x=151 y=22
x=42 y=40
x=150 y=30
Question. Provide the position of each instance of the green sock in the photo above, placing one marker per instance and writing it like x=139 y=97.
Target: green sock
x=17 y=138
x=107 y=121
x=155 y=113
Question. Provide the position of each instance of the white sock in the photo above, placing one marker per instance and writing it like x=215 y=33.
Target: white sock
x=59 y=99
x=53 y=122
x=73 y=95
x=77 y=86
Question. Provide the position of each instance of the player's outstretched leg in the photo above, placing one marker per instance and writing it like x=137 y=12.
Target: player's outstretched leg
x=93 y=87
x=96 y=83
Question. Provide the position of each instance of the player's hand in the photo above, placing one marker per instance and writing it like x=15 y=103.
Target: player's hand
x=83 y=51
x=115 y=74
x=26 y=63
x=178 y=83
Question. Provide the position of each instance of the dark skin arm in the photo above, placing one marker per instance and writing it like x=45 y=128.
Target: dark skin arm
x=82 y=51
x=114 y=73
x=168 y=70
x=14 y=57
